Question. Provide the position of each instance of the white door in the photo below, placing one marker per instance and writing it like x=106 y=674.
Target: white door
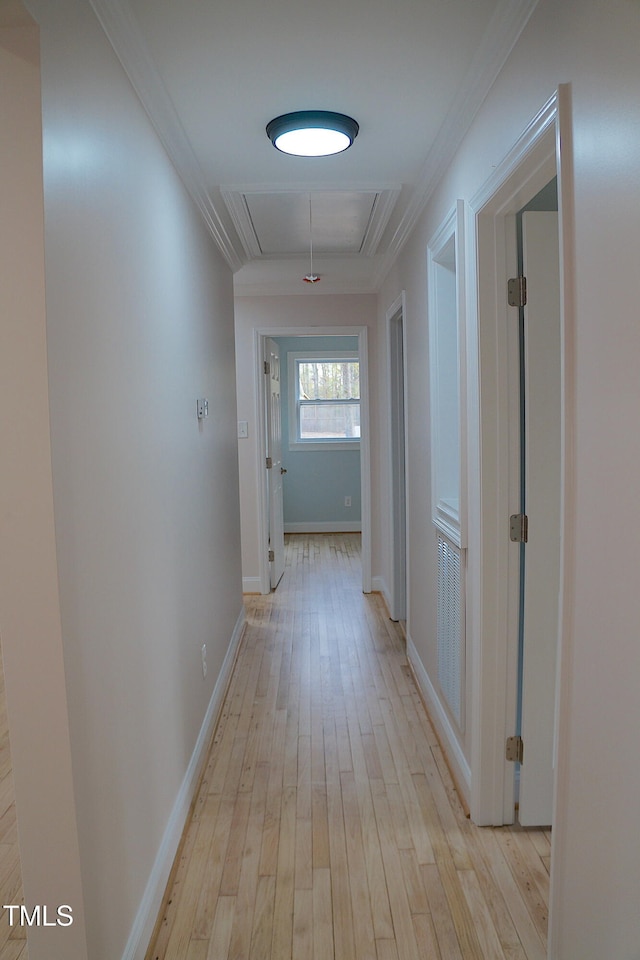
x=275 y=469
x=542 y=452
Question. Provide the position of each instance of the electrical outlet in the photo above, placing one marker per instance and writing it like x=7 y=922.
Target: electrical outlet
x=347 y=501
x=204 y=659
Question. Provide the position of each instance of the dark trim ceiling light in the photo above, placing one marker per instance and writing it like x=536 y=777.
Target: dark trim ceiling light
x=312 y=133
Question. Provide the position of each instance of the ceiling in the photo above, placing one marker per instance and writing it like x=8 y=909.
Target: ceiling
x=212 y=73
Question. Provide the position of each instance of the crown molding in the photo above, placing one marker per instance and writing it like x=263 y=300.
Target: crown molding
x=383 y=208
x=507 y=23
x=123 y=32
x=236 y=203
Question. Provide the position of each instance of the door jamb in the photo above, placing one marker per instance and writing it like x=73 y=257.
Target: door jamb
x=361 y=332
x=396 y=311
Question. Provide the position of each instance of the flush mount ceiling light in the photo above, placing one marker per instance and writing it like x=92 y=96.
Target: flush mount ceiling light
x=312 y=133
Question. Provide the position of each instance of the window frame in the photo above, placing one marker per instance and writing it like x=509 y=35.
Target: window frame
x=294 y=358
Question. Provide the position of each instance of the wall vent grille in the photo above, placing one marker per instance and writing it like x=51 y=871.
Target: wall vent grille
x=451 y=660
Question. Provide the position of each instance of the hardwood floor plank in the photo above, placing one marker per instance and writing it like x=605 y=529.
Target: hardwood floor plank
x=439 y=909
x=222 y=926
x=207 y=897
x=378 y=893
x=320 y=827
x=284 y=899
x=386 y=950
x=483 y=926
x=303 y=925
x=303 y=870
x=323 y=943
x=340 y=887
x=197 y=950
x=240 y=942
x=534 y=899
x=235 y=846
x=358 y=882
x=416 y=894
x=262 y=928
x=271 y=830
x=426 y=936
x=400 y=909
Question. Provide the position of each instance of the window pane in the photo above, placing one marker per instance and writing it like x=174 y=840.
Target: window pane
x=330 y=421
x=329 y=379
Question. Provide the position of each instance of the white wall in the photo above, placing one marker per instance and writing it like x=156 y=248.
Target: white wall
x=29 y=604
x=139 y=324
x=280 y=313
x=593 y=46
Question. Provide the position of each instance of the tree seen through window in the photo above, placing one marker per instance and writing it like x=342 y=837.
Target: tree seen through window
x=328 y=399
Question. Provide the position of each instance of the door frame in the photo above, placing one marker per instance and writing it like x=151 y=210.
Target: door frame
x=397 y=375
x=274 y=474
x=542 y=152
x=259 y=336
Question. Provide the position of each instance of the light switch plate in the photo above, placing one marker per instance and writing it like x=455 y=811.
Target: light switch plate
x=243 y=429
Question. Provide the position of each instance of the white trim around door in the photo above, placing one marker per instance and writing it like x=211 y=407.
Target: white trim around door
x=398 y=472
x=542 y=152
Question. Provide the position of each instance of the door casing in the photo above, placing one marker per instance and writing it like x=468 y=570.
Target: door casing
x=541 y=153
x=398 y=473
x=273 y=449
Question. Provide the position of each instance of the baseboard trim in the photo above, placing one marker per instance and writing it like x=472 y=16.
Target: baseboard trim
x=151 y=903
x=251 y=585
x=324 y=526
x=454 y=756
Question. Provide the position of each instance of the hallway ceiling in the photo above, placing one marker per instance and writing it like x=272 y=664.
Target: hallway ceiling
x=212 y=73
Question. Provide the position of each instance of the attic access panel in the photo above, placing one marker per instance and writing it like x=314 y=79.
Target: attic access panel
x=276 y=223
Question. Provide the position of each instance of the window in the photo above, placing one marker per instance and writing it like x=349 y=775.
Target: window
x=324 y=401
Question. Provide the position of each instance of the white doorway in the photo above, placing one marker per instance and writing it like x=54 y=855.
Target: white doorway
x=397 y=459
x=261 y=338
x=495 y=464
x=273 y=461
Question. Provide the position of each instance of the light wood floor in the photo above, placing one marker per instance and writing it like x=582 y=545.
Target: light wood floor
x=327 y=826
x=12 y=939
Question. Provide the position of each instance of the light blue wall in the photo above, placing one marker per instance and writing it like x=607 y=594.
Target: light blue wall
x=317 y=481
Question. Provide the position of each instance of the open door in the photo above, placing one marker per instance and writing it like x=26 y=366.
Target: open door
x=541 y=371
x=274 y=466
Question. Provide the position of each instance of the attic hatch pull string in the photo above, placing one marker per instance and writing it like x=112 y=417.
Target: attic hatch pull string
x=310 y=277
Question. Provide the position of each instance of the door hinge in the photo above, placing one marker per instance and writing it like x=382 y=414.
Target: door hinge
x=272 y=556
x=517 y=292
x=269 y=463
x=515 y=749
x=519 y=528
x=267 y=367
